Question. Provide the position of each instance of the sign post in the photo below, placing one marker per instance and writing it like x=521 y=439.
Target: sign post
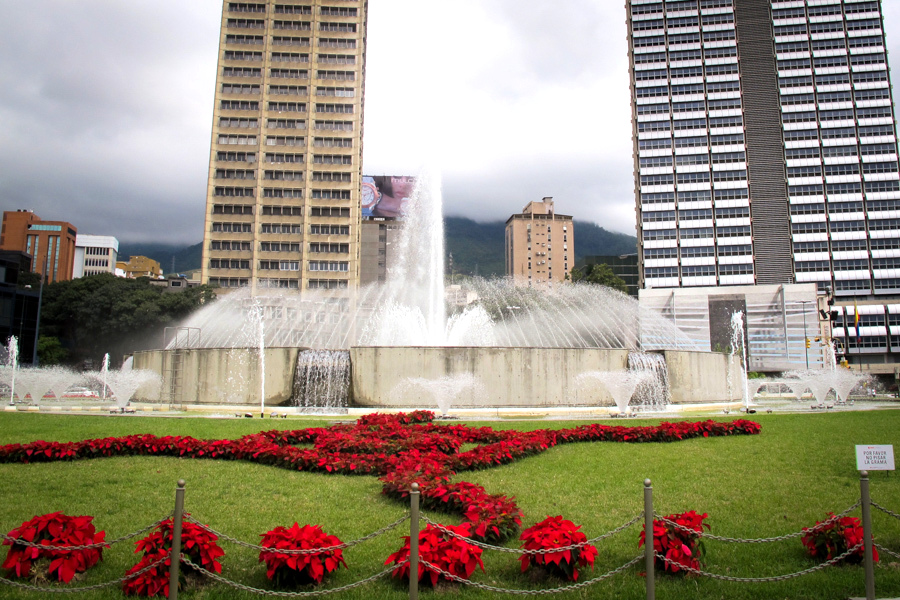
x=875 y=458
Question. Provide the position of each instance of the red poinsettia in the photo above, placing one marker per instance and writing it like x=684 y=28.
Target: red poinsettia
x=442 y=550
x=54 y=529
x=681 y=544
x=298 y=569
x=198 y=544
x=556 y=532
x=834 y=536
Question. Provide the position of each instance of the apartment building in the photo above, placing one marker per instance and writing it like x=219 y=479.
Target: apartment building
x=283 y=200
x=766 y=152
x=537 y=240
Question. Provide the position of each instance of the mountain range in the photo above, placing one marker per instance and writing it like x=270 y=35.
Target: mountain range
x=477 y=248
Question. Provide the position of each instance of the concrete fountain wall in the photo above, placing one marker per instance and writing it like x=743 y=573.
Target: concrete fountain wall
x=508 y=377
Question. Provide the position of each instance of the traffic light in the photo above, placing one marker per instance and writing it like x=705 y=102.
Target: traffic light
x=807 y=342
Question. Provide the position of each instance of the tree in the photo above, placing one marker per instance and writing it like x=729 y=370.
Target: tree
x=102 y=313
x=50 y=351
x=601 y=274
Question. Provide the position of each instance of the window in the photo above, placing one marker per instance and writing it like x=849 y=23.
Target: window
x=332 y=159
x=279 y=247
x=243 y=55
x=337 y=59
x=334 y=125
x=325 y=265
x=282 y=193
x=329 y=230
x=240 y=88
x=228 y=245
x=271 y=283
x=236 y=156
x=281 y=140
x=225 y=263
x=234 y=191
x=280 y=228
x=241 y=72
x=283 y=175
x=656 y=161
x=246 y=7
x=289 y=73
x=327 y=284
x=334 y=108
x=844 y=207
x=279 y=265
x=733 y=213
x=282 y=211
x=285 y=40
x=238 y=105
x=232 y=227
x=285 y=124
x=289 y=57
x=692 y=159
x=246 y=23
x=329 y=176
x=331 y=194
x=244 y=39
x=337 y=27
x=235 y=174
x=292 y=9
x=235 y=122
x=337 y=43
x=293 y=26
x=284 y=158
x=329 y=211
x=325 y=247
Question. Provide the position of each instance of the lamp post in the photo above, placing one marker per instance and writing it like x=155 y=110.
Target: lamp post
x=805 y=335
x=37 y=323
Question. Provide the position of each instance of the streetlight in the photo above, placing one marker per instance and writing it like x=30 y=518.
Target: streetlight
x=805 y=335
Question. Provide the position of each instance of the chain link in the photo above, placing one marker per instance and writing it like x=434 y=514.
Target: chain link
x=567 y=588
x=340 y=546
x=886 y=551
x=884 y=510
x=818 y=567
x=527 y=551
x=71 y=590
x=22 y=542
x=779 y=538
x=185 y=560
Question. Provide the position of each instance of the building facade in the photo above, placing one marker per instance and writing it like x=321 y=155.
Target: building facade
x=95 y=254
x=50 y=243
x=139 y=266
x=766 y=153
x=283 y=200
x=537 y=240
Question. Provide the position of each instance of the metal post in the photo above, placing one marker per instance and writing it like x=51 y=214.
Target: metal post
x=867 y=534
x=803 y=303
x=175 y=557
x=649 y=549
x=413 y=542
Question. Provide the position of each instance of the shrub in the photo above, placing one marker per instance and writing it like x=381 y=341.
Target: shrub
x=199 y=545
x=54 y=529
x=556 y=532
x=832 y=537
x=299 y=569
x=681 y=545
x=442 y=550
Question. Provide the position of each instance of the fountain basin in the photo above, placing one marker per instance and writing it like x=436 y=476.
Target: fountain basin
x=507 y=377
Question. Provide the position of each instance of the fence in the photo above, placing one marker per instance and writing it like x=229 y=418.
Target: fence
x=649 y=555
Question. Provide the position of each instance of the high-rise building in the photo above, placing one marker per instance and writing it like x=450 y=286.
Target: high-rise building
x=765 y=153
x=95 y=254
x=537 y=240
x=51 y=244
x=765 y=149
x=283 y=200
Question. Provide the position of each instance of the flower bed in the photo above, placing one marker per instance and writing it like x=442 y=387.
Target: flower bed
x=54 y=529
x=556 y=532
x=400 y=449
x=298 y=569
x=444 y=551
x=680 y=544
x=833 y=537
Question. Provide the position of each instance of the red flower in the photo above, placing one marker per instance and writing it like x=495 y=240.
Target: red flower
x=833 y=537
x=442 y=550
x=556 y=532
x=54 y=529
x=681 y=545
x=295 y=569
x=198 y=544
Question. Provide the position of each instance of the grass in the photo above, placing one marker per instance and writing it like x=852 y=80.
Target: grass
x=797 y=470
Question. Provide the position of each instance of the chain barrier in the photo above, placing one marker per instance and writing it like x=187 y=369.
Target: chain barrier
x=884 y=510
x=818 y=567
x=240 y=586
x=485 y=546
x=491 y=588
x=779 y=538
x=68 y=590
x=21 y=542
x=340 y=546
x=886 y=551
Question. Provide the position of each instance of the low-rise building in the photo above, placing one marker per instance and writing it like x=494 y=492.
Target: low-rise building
x=50 y=243
x=95 y=254
x=140 y=266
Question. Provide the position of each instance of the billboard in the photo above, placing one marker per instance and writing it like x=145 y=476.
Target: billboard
x=386 y=195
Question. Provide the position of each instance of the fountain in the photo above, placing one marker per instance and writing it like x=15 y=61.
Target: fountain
x=511 y=336
x=739 y=348
x=443 y=391
x=621 y=385
x=322 y=380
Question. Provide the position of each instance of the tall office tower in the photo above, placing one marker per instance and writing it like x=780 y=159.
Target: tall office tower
x=537 y=239
x=283 y=200
x=764 y=143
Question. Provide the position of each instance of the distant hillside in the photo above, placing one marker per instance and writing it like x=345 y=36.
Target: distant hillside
x=477 y=248
x=186 y=257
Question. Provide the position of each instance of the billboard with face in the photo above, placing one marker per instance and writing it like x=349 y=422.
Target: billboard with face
x=386 y=195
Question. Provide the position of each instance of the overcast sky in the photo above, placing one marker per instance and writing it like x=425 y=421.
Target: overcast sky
x=106 y=108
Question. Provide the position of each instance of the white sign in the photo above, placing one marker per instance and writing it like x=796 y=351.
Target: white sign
x=874 y=458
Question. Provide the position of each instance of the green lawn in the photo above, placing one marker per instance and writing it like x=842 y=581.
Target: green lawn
x=797 y=470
